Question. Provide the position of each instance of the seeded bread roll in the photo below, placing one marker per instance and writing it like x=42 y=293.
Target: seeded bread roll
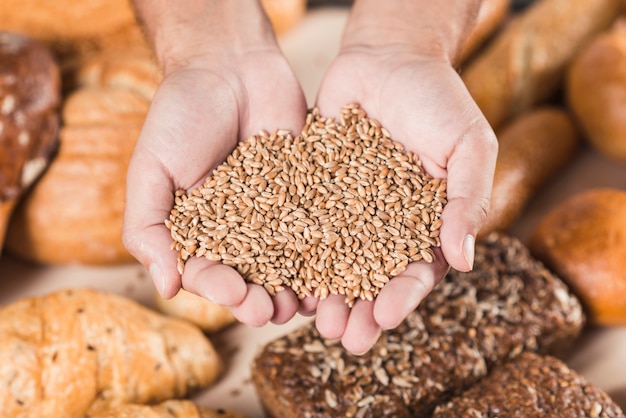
x=29 y=117
x=526 y=62
x=531 y=386
x=532 y=149
x=583 y=240
x=596 y=91
x=470 y=323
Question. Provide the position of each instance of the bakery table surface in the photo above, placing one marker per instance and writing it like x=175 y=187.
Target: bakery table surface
x=600 y=355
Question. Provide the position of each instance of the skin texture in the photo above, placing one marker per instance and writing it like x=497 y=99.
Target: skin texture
x=396 y=61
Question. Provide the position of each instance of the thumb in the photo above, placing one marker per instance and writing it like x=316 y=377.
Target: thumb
x=469 y=182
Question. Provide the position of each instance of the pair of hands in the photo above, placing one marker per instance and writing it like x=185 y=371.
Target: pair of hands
x=206 y=105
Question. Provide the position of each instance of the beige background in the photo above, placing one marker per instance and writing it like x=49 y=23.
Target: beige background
x=600 y=355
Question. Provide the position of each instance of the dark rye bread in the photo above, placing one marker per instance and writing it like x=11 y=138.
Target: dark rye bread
x=531 y=385
x=470 y=323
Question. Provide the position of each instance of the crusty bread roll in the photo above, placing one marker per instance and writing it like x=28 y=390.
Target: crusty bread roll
x=66 y=352
x=30 y=97
x=491 y=16
x=74 y=214
x=596 y=91
x=209 y=316
x=532 y=149
x=525 y=63
x=583 y=240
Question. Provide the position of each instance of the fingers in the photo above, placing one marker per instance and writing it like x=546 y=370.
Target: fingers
x=285 y=306
x=332 y=316
x=362 y=331
x=401 y=295
x=214 y=281
x=256 y=309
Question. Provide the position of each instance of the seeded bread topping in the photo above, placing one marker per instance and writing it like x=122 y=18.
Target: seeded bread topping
x=532 y=385
x=470 y=323
x=339 y=209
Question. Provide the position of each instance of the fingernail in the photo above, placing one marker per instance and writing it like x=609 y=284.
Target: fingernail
x=468 y=250
x=158 y=278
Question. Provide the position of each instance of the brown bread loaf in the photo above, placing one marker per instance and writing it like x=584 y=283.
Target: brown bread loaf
x=30 y=96
x=533 y=148
x=71 y=350
x=468 y=324
x=525 y=63
x=583 y=240
x=532 y=385
x=596 y=91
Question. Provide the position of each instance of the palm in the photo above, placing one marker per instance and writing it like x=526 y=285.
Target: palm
x=195 y=120
x=424 y=105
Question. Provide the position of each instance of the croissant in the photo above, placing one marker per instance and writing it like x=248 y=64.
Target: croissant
x=70 y=351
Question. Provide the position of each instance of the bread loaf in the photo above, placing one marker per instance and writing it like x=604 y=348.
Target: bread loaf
x=596 y=91
x=75 y=213
x=207 y=315
x=73 y=350
x=532 y=149
x=491 y=15
x=532 y=386
x=168 y=409
x=583 y=240
x=468 y=324
x=525 y=64
x=30 y=97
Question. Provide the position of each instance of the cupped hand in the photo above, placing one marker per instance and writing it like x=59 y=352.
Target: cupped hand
x=199 y=112
x=422 y=101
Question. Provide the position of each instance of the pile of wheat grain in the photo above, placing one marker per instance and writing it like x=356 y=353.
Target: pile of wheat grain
x=339 y=209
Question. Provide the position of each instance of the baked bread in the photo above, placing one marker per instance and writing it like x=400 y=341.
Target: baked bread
x=583 y=240
x=30 y=96
x=68 y=351
x=167 y=409
x=102 y=119
x=531 y=386
x=525 y=64
x=470 y=323
x=596 y=91
x=491 y=16
x=207 y=315
x=533 y=148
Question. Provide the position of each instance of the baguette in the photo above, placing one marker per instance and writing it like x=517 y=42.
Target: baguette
x=525 y=64
x=532 y=149
x=491 y=15
x=208 y=316
x=66 y=352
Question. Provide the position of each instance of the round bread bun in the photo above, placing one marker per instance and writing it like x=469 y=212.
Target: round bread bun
x=208 y=316
x=596 y=91
x=583 y=240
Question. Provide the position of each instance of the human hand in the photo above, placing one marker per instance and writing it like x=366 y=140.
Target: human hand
x=205 y=104
x=422 y=101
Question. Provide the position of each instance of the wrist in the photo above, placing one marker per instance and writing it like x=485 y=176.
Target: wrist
x=423 y=27
x=203 y=31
